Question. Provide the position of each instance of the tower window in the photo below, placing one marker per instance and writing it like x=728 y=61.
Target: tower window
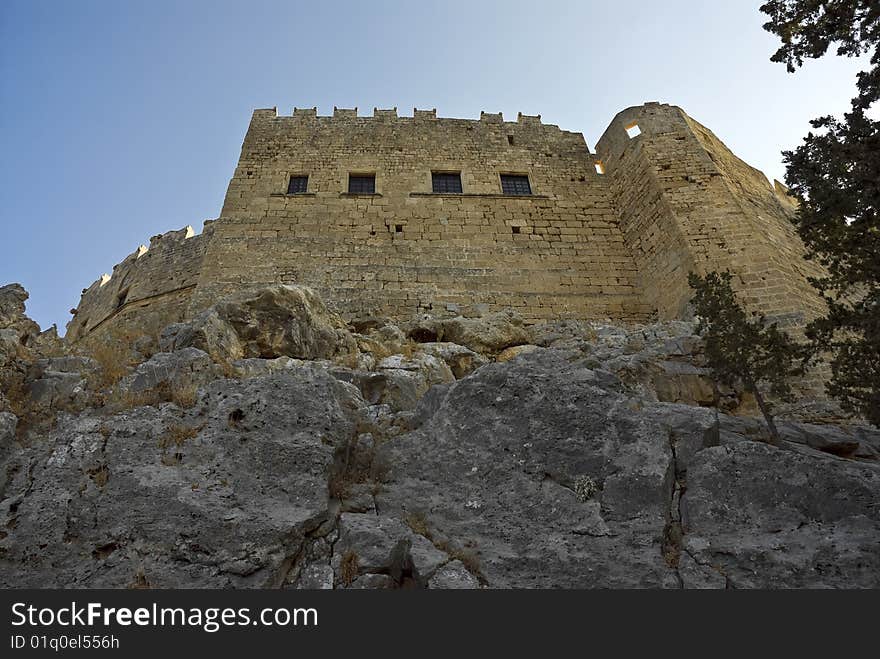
x=633 y=130
x=600 y=167
x=297 y=184
x=443 y=182
x=515 y=184
x=362 y=183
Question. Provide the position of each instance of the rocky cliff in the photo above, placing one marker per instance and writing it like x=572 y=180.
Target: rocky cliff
x=266 y=443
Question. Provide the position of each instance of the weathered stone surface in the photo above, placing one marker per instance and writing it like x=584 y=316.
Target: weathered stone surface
x=462 y=361
x=497 y=468
x=512 y=353
x=453 y=576
x=766 y=518
x=10 y=346
x=508 y=444
x=220 y=496
x=207 y=332
x=385 y=545
x=12 y=310
x=561 y=467
x=186 y=369
x=268 y=322
x=489 y=334
x=60 y=383
x=8 y=422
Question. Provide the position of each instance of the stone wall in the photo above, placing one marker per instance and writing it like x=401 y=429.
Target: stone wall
x=148 y=290
x=555 y=253
x=612 y=235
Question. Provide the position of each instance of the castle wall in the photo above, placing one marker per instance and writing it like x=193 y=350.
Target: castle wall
x=556 y=253
x=686 y=203
x=614 y=241
x=148 y=290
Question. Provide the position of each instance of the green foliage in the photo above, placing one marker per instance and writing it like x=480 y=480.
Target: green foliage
x=743 y=348
x=835 y=174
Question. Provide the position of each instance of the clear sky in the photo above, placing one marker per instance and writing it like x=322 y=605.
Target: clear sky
x=123 y=119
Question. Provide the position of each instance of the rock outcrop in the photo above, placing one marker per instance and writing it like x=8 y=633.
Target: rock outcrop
x=269 y=445
x=277 y=321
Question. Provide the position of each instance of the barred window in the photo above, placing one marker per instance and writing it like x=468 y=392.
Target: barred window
x=446 y=182
x=362 y=183
x=515 y=184
x=298 y=184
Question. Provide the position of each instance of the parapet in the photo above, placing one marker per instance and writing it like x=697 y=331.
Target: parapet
x=391 y=114
x=168 y=267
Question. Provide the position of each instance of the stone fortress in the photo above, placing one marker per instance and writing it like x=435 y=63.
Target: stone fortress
x=396 y=216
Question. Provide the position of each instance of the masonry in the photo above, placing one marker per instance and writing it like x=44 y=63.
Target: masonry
x=526 y=218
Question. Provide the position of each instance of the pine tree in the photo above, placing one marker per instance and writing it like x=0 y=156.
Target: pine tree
x=742 y=348
x=835 y=174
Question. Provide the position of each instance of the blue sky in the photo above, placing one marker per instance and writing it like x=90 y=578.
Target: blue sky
x=121 y=120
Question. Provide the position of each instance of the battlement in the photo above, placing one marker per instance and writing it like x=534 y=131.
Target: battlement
x=309 y=115
x=161 y=275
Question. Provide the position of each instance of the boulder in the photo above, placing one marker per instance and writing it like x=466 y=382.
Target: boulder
x=494 y=472
x=269 y=322
x=512 y=353
x=385 y=545
x=489 y=334
x=61 y=383
x=453 y=576
x=12 y=311
x=462 y=361
x=226 y=496
x=171 y=376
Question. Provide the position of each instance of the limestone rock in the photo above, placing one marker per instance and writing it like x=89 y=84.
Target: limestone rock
x=207 y=332
x=61 y=383
x=387 y=545
x=12 y=311
x=512 y=353
x=766 y=518
x=489 y=334
x=268 y=322
x=507 y=444
x=453 y=576
x=171 y=374
x=219 y=497
x=462 y=361
x=8 y=422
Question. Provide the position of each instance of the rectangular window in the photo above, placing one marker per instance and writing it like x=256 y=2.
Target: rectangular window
x=362 y=183
x=515 y=184
x=444 y=182
x=298 y=184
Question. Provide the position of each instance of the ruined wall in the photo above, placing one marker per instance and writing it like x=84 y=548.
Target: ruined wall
x=555 y=253
x=148 y=290
x=686 y=203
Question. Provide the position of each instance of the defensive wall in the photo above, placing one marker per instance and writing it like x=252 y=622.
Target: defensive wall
x=605 y=235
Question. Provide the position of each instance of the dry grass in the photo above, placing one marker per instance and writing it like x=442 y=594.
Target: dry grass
x=114 y=357
x=356 y=464
x=174 y=439
x=418 y=523
x=185 y=396
x=140 y=581
x=100 y=475
x=349 y=567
